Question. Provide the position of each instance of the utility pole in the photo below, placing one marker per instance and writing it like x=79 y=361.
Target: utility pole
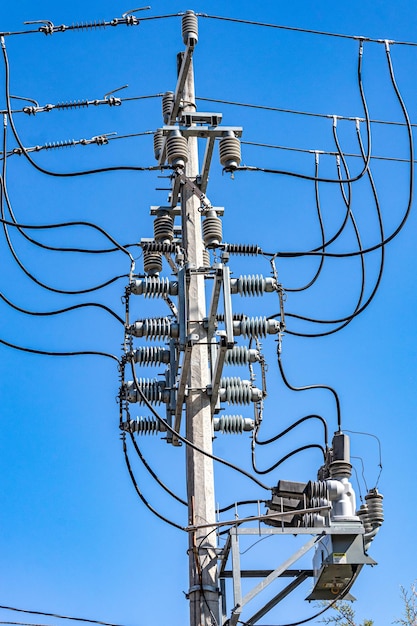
x=199 y=341
x=203 y=592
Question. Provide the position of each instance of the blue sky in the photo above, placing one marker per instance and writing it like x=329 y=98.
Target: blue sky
x=74 y=538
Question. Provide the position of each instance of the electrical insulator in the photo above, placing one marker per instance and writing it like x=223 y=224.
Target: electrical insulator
x=252 y=285
x=206 y=258
x=167 y=106
x=152 y=389
x=229 y=146
x=151 y=355
x=212 y=229
x=154 y=328
x=244 y=249
x=177 y=149
x=152 y=262
x=153 y=286
x=256 y=327
x=145 y=426
x=163 y=227
x=375 y=508
x=189 y=28
x=233 y=424
x=363 y=514
x=241 y=355
x=236 y=391
x=157 y=246
x=340 y=469
x=158 y=142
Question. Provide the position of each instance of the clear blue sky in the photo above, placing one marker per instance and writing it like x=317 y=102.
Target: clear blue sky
x=74 y=537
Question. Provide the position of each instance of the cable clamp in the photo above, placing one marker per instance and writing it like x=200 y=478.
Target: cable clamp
x=202 y=588
x=334 y=120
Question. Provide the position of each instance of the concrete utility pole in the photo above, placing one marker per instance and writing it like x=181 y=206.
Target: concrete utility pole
x=203 y=592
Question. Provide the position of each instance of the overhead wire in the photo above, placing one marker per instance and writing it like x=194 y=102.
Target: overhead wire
x=60 y=354
x=43 y=170
x=142 y=497
x=58 y=616
x=322 y=179
x=305 y=30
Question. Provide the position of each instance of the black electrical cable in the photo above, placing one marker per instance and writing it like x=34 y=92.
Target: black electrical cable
x=411 y=187
x=117 y=168
x=186 y=441
x=74 y=619
x=309 y=387
x=305 y=30
x=322 y=233
x=152 y=473
x=240 y=503
x=61 y=311
x=290 y=428
x=118 y=248
x=330 y=180
x=142 y=497
x=308 y=446
x=380 y=272
x=48 y=353
x=306 y=113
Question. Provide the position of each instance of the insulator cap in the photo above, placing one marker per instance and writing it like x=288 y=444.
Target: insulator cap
x=177 y=149
x=163 y=227
x=152 y=262
x=189 y=28
x=230 y=156
x=167 y=106
x=158 y=142
x=212 y=229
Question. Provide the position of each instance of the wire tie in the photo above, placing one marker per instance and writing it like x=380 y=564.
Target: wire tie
x=334 y=120
x=387 y=43
x=358 y=123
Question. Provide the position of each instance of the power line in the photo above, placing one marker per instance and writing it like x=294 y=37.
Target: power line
x=306 y=30
x=56 y=615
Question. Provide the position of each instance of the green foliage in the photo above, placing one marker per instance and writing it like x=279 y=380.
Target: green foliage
x=345 y=616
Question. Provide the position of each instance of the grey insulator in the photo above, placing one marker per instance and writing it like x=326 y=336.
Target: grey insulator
x=212 y=229
x=241 y=355
x=177 y=149
x=236 y=391
x=256 y=327
x=375 y=508
x=167 y=106
x=152 y=389
x=252 y=285
x=230 y=156
x=233 y=424
x=363 y=514
x=152 y=262
x=145 y=426
x=154 y=328
x=154 y=286
x=206 y=258
x=163 y=227
x=189 y=27
x=158 y=142
x=340 y=469
x=151 y=355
